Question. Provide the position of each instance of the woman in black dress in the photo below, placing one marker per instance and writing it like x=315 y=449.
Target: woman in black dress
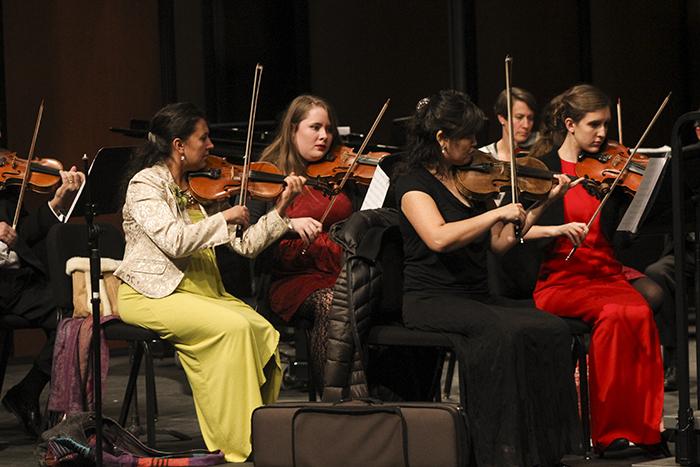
x=521 y=400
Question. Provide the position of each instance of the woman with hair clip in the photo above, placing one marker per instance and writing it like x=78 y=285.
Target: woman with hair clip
x=626 y=371
x=172 y=285
x=306 y=263
x=524 y=108
x=521 y=401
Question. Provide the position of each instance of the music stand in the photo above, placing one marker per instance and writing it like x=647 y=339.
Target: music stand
x=100 y=193
x=107 y=169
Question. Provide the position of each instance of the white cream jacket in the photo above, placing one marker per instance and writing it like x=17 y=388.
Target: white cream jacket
x=160 y=236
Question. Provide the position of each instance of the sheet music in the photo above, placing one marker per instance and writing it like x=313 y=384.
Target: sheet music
x=641 y=201
x=377 y=190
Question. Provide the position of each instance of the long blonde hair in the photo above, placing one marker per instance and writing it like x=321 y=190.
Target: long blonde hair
x=573 y=103
x=282 y=151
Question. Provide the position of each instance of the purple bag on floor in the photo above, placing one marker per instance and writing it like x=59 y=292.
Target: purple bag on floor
x=72 y=442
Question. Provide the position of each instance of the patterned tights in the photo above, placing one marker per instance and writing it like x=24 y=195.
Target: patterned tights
x=318 y=303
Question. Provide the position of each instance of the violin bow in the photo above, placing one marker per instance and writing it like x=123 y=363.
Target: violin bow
x=622 y=171
x=356 y=161
x=27 y=173
x=249 y=142
x=508 y=63
x=619 y=120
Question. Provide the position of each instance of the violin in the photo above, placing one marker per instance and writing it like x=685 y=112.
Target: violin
x=600 y=170
x=44 y=174
x=220 y=180
x=485 y=177
x=341 y=162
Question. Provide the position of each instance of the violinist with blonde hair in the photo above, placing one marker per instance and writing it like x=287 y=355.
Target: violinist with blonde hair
x=305 y=264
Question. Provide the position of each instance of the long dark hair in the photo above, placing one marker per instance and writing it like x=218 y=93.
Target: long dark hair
x=449 y=111
x=573 y=103
x=177 y=120
x=282 y=151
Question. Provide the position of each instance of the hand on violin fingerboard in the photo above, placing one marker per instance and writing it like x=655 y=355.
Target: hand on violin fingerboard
x=294 y=186
x=563 y=185
x=71 y=181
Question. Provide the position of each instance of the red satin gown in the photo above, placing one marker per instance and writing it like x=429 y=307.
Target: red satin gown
x=626 y=369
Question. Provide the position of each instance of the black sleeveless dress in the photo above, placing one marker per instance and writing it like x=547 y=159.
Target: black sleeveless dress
x=521 y=398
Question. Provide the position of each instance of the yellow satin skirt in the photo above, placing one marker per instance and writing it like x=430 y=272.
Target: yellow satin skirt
x=228 y=351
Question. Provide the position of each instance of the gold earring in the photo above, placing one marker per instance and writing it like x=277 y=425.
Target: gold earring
x=182 y=157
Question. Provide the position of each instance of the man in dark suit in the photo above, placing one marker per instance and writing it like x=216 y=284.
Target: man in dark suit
x=24 y=289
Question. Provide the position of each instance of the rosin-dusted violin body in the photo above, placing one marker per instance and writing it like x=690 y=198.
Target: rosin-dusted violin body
x=601 y=169
x=485 y=177
x=44 y=172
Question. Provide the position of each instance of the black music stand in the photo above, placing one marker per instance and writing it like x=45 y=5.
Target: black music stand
x=99 y=195
x=686 y=438
x=107 y=170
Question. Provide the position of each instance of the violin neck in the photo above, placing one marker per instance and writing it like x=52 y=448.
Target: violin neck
x=534 y=173
x=42 y=169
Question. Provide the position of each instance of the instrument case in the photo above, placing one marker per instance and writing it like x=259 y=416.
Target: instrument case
x=360 y=433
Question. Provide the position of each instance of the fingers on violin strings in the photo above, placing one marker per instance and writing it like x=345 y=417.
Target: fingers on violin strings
x=576 y=182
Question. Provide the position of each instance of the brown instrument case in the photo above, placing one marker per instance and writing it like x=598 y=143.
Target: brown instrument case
x=360 y=433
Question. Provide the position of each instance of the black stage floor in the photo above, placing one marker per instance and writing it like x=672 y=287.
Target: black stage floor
x=177 y=412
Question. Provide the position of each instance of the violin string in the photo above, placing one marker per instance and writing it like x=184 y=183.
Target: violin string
x=619 y=176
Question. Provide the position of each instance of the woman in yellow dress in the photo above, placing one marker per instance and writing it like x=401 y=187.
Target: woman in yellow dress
x=172 y=285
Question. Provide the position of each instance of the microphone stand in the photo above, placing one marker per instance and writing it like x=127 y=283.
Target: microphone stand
x=95 y=273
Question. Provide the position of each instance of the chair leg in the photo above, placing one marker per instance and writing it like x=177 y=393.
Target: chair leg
x=435 y=386
x=6 y=337
x=449 y=375
x=131 y=384
x=303 y=344
x=151 y=408
x=580 y=347
x=462 y=387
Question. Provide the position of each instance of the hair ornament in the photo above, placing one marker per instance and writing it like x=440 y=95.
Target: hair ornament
x=422 y=103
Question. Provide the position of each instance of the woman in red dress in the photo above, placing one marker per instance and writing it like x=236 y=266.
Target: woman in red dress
x=626 y=370
x=306 y=263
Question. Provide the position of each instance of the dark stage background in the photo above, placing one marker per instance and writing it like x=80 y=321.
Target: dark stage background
x=100 y=63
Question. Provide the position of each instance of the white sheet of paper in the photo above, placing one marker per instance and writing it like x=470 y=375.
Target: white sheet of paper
x=376 y=192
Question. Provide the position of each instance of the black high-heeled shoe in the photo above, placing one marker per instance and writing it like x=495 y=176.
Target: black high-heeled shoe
x=618 y=444
x=656 y=451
